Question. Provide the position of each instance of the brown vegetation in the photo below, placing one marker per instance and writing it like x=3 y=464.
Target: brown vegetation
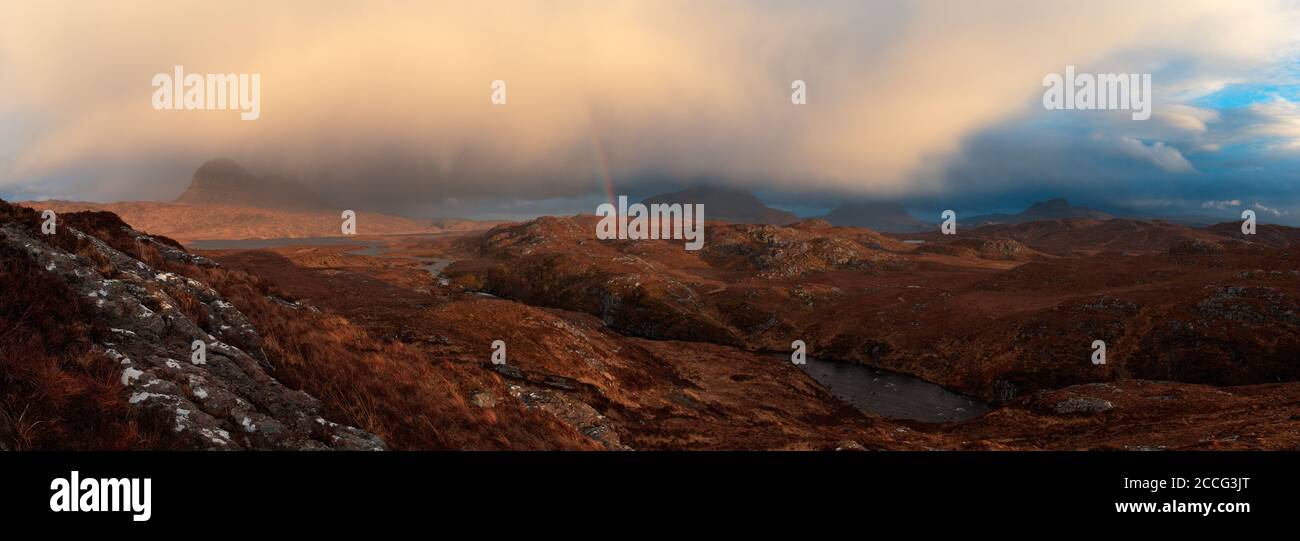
x=61 y=393
x=195 y=222
x=993 y=312
x=385 y=387
x=56 y=392
x=1006 y=313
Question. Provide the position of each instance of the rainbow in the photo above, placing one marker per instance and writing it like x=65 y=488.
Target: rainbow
x=602 y=162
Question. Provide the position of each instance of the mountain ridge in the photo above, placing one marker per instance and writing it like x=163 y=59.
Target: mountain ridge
x=224 y=201
x=729 y=204
x=1058 y=208
x=882 y=216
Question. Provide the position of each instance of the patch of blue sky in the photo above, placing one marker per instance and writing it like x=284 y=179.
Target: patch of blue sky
x=1247 y=94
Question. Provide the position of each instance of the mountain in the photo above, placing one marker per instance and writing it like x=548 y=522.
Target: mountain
x=880 y=216
x=224 y=182
x=188 y=222
x=727 y=204
x=1052 y=209
x=226 y=202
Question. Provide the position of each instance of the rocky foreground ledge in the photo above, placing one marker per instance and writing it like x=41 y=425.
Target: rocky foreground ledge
x=222 y=399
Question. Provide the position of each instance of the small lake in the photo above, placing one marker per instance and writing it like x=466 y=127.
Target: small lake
x=891 y=394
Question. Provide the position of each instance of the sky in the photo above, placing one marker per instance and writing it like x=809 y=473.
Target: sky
x=936 y=104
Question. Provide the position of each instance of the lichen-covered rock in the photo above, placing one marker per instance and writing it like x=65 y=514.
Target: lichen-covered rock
x=1082 y=404
x=222 y=399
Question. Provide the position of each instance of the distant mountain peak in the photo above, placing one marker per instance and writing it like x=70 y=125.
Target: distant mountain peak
x=887 y=216
x=222 y=173
x=1052 y=209
x=1057 y=203
x=223 y=181
x=726 y=203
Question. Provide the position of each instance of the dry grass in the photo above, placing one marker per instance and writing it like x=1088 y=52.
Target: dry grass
x=55 y=391
x=389 y=388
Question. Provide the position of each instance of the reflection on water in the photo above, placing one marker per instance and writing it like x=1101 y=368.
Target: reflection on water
x=891 y=394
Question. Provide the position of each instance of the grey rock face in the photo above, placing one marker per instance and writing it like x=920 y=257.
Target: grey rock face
x=1082 y=405
x=225 y=399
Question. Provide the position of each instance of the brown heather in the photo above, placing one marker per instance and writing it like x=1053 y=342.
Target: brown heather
x=55 y=391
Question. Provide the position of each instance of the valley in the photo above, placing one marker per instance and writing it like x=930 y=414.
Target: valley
x=1062 y=401
x=979 y=340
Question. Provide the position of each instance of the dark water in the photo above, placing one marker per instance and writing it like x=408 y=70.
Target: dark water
x=891 y=394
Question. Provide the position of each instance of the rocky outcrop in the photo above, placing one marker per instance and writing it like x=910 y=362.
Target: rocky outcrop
x=222 y=399
x=1076 y=404
x=1001 y=249
x=789 y=252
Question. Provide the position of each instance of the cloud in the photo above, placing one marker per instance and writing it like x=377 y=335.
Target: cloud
x=387 y=104
x=1186 y=117
x=1273 y=211
x=1221 y=205
x=1165 y=157
x=1280 y=119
